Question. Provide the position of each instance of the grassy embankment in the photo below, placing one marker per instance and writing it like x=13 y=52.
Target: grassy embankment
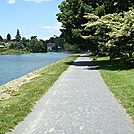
x=120 y=80
x=23 y=98
x=10 y=52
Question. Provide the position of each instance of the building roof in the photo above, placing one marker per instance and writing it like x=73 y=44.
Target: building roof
x=1 y=46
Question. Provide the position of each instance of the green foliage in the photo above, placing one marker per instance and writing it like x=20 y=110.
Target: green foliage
x=70 y=48
x=8 y=37
x=24 y=42
x=18 y=37
x=35 y=46
x=58 y=41
x=10 y=52
x=13 y=46
x=1 y=39
x=114 y=31
x=122 y=35
x=39 y=47
x=71 y=16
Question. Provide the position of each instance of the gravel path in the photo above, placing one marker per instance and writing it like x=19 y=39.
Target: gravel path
x=78 y=103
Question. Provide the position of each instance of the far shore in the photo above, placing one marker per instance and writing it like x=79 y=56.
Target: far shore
x=11 y=52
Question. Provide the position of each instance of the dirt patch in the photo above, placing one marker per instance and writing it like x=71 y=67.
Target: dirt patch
x=4 y=96
x=15 y=84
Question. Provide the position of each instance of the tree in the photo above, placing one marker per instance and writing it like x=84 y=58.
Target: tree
x=44 y=44
x=115 y=31
x=35 y=46
x=97 y=34
x=33 y=37
x=8 y=37
x=122 y=34
x=103 y=7
x=24 y=41
x=39 y=47
x=18 y=37
x=70 y=48
x=71 y=16
x=72 y=12
x=31 y=44
x=1 y=39
x=58 y=41
x=13 y=46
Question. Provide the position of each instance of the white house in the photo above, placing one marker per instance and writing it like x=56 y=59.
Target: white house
x=1 y=46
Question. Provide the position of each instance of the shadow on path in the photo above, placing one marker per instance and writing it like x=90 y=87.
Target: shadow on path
x=102 y=64
x=90 y=66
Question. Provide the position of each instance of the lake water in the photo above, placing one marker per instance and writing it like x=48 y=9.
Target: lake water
x=15 y=66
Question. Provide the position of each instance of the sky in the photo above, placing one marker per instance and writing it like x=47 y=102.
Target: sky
x=30 y=17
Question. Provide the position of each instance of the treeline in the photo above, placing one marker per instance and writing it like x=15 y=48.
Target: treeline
x=104 y=27
x=33 y=44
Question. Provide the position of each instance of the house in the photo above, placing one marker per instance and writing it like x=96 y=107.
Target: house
x=1 y=46
x=50 y=46
x=7 y=44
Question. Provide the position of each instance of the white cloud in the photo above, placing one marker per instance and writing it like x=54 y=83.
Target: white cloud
x=52 y=30
x=11 y=1
x=38 y=1
x=55 y=27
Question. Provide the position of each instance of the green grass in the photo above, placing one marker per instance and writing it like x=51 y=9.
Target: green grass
x=13 y=110
x=120 y=80
x=10 y=52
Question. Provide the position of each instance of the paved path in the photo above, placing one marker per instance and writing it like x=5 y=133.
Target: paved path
x=78 y=103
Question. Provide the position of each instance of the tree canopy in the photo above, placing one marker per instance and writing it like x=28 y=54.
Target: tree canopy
x=8 y=37
x=72 y=17
x=18 y=36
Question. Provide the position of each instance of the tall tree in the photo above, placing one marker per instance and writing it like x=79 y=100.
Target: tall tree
x=24 y=41
x=8 y=37
x=110 y=6
x=72 y=12
x=115 y=31
x=71 y=16
x=1 y=39
x=18 y=36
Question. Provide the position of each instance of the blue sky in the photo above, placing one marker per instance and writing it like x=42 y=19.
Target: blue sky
x=31 y=17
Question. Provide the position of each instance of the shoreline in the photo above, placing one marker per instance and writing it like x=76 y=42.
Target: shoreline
x=20 y=74
x=13 y=52
x=14 y=85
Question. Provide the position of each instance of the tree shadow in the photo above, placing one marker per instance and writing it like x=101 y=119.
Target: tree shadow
x=88 y=64
x=113 y=66
x=102 y=64
x=84 y=55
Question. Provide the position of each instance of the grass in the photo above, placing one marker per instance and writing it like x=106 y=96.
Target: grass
x=10 y=52
x=120 y=80
x=14 y=109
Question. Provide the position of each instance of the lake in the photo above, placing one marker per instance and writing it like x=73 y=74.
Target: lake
x=15 y=66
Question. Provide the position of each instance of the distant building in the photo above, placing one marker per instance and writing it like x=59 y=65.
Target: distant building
x=50 y=46
x=1 y=46
x=7 y=44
